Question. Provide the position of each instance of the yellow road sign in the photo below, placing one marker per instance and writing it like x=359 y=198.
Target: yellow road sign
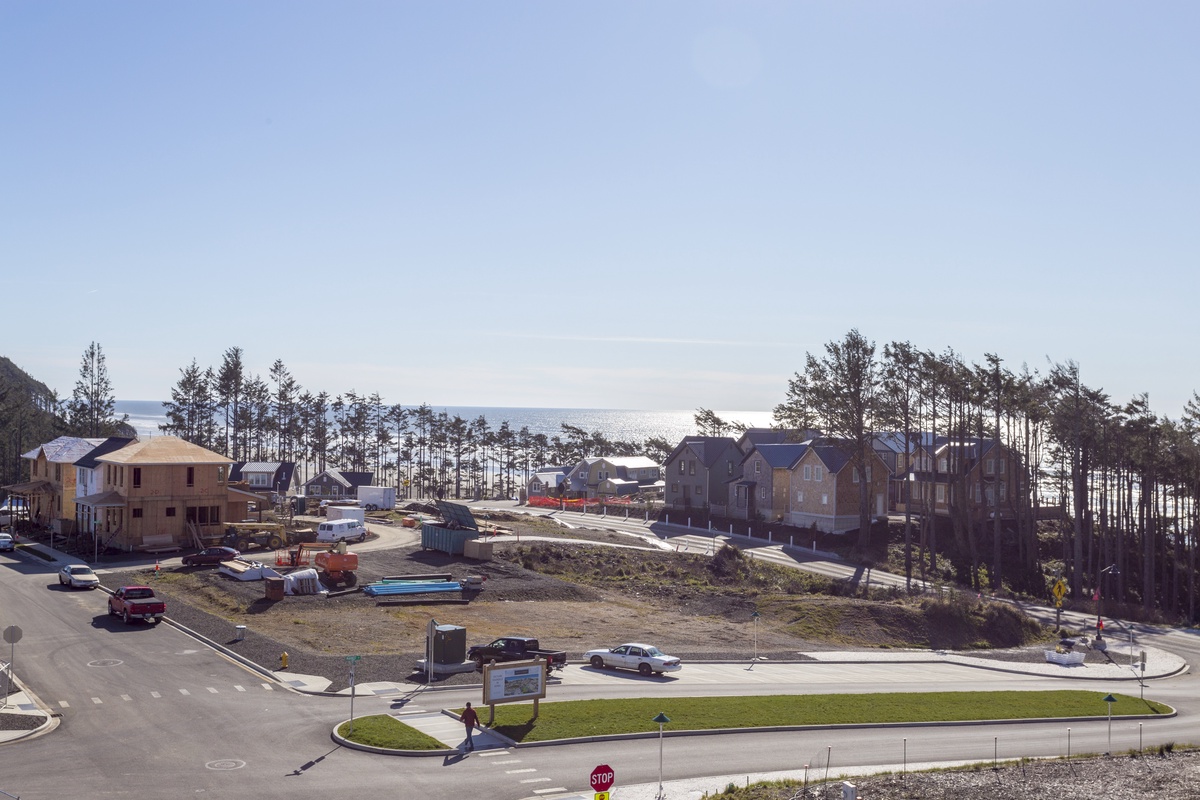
x=601 y=796
x=1060 y=589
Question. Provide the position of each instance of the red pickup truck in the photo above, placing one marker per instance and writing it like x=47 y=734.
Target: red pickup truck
x=136 y=602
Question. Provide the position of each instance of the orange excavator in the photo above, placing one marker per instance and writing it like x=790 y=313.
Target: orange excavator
x=334 y=564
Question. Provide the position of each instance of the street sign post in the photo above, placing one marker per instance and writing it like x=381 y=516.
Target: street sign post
x=12 y=635
x=353 y=660
x=602 y=779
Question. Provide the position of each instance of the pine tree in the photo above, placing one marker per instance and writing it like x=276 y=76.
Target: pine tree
x=90 y=411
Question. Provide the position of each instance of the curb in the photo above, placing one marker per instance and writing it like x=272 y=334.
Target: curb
x=615 y=737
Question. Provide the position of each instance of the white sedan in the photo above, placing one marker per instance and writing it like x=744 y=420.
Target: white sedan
x=78 y=576
x=645 y=658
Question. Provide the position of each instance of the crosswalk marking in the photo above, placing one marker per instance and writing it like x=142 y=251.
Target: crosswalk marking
x=536 y=780
x=211 y=690
x=268 y=687
x=97 y=701
x=126 y=698
x=155 y=694
x=64 y=704
x=184 y=692
x=550 y=791
x=240 y=688
x=510 y=761
x=519 y=771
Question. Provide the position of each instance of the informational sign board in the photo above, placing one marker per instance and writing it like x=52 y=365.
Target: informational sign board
x=514 y=681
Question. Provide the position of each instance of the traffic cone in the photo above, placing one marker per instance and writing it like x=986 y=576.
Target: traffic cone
x=156 y=567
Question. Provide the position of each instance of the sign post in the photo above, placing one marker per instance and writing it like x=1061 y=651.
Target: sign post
x=12 y=635
x=1060 y=590
x=353 y=661
x=602 y=780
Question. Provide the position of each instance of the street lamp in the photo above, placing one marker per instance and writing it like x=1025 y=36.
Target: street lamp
x=661 y=719
x=755 y=615
x=1099 y=595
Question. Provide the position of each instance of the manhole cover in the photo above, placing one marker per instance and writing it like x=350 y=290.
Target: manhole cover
x=106 y=662
x=226 y=763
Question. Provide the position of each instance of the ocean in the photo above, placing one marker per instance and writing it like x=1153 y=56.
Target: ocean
x=616 y=424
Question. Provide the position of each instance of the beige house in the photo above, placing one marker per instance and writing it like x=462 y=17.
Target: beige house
x=613 y=476
x=825 y=488
x=979 y=476
x=764 y=488
x=156 y=493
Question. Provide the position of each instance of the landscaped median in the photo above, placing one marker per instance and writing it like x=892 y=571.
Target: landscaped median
x=577 y=719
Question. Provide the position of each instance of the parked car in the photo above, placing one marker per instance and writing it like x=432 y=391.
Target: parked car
x=7 y=543
x=516 y=648
x=210 y=555
x=78 y=576
x=645 y=658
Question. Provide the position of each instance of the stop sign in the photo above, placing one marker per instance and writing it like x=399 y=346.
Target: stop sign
x=602 y=778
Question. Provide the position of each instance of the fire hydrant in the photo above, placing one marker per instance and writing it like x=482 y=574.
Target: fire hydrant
x=283 y=659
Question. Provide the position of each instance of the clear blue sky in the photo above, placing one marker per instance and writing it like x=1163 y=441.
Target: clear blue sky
x=657 y=205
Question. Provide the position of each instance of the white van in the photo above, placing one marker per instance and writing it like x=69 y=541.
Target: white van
x=341 y=530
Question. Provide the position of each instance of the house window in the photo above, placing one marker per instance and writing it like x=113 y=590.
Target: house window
x=221 y=474
x=191 y=476
x=991 y=496
x=1002 y=466
x=762 y=493
x=799 y=497
x=699 y=490
x=214 y=515
x=856 y=474
x=171 y=511
x=818 y=473
x=691 y=467
x=1003 y=490
x=137 y=477
x=943 y=465
x=757 y=467
x=977 y=492
x=941 y=492
x=824 y=499
x=868 y=474
x=989 y=467
x=730 y=466
x=136 y=513
x=808 y=472
x=674 y=487
x=58 y=473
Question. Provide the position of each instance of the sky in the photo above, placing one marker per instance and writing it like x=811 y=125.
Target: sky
x=639 y=205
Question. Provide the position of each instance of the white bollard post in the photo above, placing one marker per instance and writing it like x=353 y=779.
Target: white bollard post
x=689 y=522
x=768 y=537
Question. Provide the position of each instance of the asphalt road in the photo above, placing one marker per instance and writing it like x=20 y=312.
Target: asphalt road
x=147 y=712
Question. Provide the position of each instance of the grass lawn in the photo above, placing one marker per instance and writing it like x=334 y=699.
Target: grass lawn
x=577 y=718
x=603 y=717
x=381 y=730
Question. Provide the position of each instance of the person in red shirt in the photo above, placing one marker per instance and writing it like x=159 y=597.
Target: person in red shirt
x=470 y=719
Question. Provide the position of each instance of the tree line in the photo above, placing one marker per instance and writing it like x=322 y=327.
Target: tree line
x=1124 y=481
x=31 y=413
x=426 y=452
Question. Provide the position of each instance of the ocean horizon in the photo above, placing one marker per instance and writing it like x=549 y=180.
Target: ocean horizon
x=626 y=425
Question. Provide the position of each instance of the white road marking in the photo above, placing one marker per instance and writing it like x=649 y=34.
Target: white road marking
x=64 y=704
x=126 y=698
x=240 y=688
x=510 y=761
x=184 y=692
x=550 y=791
x=494 y=753
x=97 y=701
x=211 y=690
x=155 y=694
x=268 y=687
x=519 y=771
x=536 y=780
